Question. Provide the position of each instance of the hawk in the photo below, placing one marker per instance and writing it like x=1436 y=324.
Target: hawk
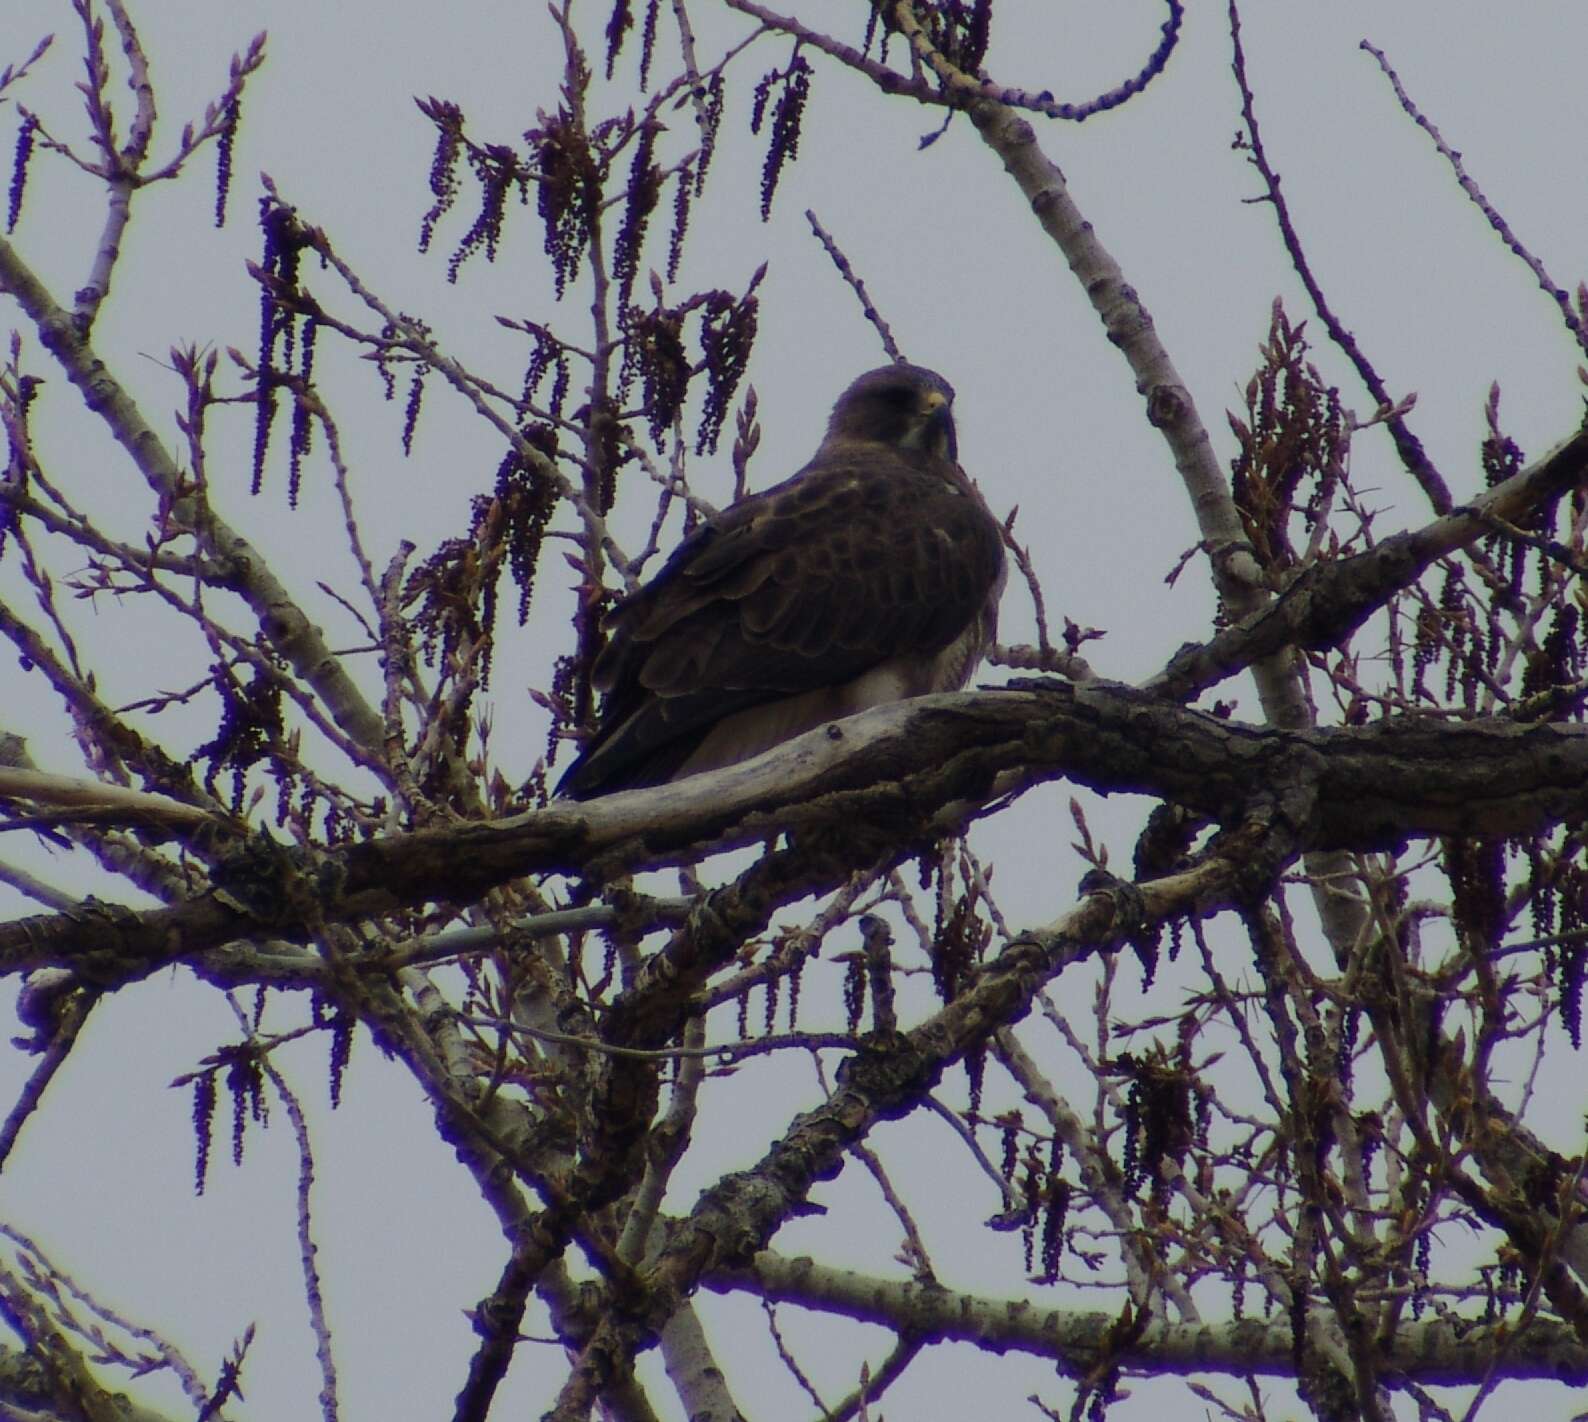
x=871 y=575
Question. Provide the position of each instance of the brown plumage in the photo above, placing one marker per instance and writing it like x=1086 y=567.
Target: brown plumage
x=871 y=575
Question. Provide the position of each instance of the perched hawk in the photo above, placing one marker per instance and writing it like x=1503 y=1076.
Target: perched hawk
x=873 y=574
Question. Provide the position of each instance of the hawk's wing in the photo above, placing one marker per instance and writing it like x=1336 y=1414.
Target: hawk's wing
x=872 y=574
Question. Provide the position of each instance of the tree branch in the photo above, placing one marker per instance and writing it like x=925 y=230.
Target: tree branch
x=911 y=771
x=1431 y=1352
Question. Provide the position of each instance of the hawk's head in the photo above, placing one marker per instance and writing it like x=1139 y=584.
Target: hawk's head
x=905 y=406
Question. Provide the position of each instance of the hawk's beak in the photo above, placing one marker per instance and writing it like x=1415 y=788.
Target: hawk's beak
x=938 y=425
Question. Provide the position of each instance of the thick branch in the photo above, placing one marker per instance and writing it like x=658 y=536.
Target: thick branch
x=1429 y=1352
x=915 y=770
x=1330 y=599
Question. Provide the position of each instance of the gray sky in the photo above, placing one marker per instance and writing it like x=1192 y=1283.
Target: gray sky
x=1048 y=420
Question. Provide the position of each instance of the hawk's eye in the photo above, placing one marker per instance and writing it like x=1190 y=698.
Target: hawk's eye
x=897 y=397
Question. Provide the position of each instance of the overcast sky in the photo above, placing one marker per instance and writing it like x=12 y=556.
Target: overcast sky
x=1048 y=419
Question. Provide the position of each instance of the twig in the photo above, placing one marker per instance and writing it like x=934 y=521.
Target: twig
x=959 y=89
x=169 y=1355
x=307 y=1249
x=1413 y=456
x=15 y=73
x=1559 y=295
x=73 y=1013
x=867 y=307
x=1011 y=1201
